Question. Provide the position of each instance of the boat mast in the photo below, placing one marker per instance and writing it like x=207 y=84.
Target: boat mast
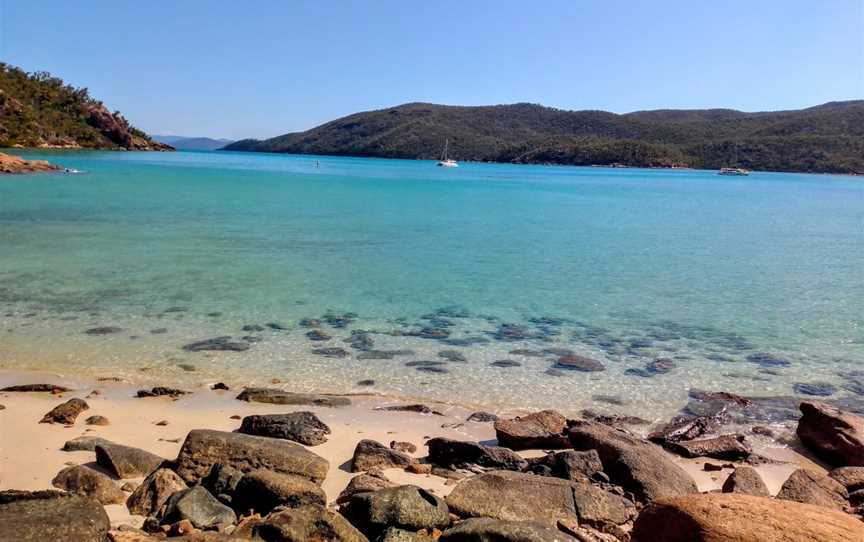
x=444 y=154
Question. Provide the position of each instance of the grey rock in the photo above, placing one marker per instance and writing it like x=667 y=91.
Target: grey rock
x=198 y=506
x=224 y=343
x=221 y=481
x=149 y=497
x=125 y=461
x=403 y=507
x=85 y=444
x=544 y=429
x=364 y=482
x=331 y=352
x=569 y=464
x=303 y=427
x=82 y=480
x=281 y=397
x=727 y=447
x=161 y=391
x=41 y=516
x=496 y=530
x=482 y=417
x=447 y=452
x=103 y=330
x=370 y=454
x=97 y=420
x=310 y=523
x=263 y=490
x=575 y=362
x=420 y=409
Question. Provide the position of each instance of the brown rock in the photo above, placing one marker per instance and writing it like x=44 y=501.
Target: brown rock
x=65 y=413
x=447 y=452
x=16 y=164
x=404 y=447
x=363 y=482
x=419 y=468
x=41 y=516
x=97 y=420
x=745 y=480
x=263 y=490
x=852 y=478
x=403 y=507
x=544 y=429
x=728 y=447
x=125 y=461
x=833 y=434
x=149 y=497
x=808 y=487
x=370 y=454
x=281 y=397
x=488 y=529
x=82 y=480
x=48 y=388
x=303 y=427
x=727 y=517
x=575 y=362
x=306 y=524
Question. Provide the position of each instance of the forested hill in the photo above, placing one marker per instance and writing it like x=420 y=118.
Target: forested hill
x=38 y=110
x=825 y=138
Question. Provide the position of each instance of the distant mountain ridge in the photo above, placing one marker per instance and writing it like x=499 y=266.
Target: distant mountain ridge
x=828 y=138
x=184 y=143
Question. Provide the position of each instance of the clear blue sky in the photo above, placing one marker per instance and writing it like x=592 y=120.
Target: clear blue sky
x=255 y=69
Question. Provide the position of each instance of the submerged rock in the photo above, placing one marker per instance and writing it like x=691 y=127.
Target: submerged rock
x=505 y=363
x=544 y=429
x=103 y=330
x=384 y=354
x=65 y=413
x=317 y=335
x=161 y=391
x=419 y=408
x=575 y=362
x=223 y=343
x=768 y=360
x=303 y=427
x=452 y=355
x=281 y=397
x=331 y=352
x=821 y=389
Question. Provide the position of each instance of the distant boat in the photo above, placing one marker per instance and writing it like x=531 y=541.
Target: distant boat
x=446 y=162
x=733 y=171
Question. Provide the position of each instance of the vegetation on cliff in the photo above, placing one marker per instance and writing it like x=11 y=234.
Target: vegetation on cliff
x=826 y=138
x=38 y=110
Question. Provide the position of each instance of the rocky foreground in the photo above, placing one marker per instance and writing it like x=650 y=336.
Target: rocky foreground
x=15 y=164
x=545 y=478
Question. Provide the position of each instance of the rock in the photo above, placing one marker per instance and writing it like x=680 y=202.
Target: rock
x=447 y=452
x=569 y=464
x=306 y=524
x=204 y=448
x=160 y=391
x=221 y=482
x=808 y=487
x=452 y=355
x=220 y=386
x=834 y=435
x=252 y=328
x=544 y=429
x=361 y=483
x=198 y=506
x=280 y=397
x=366 y=382
x=728 y=517
x=97 y=420
x=821 y=389
x=16 y=165
x=42 y=516
x=217 y=343
x=728 y=447
x=369 y=454
x=616 y=420
x=419 y=468
x=49 y=388
x=103 y=330
x=384 y=354
x=496 y=530
x=516 y=496
x=422 y=409
x=149 y=497
x=631 y=462
x=404 y=447
x=331 y=352
x=505 y=363
x=399 y=535
x=303 y=427
x=684 y=428
x=482 y=417
x=82 y=480
x=317 y=335
x=852 y=478
x=125 y=461
x=263 y=490
x=746 y=481
x=575 y=362
x=65 y=413
x=403 y=507
x=768 y=360
x=85 y=443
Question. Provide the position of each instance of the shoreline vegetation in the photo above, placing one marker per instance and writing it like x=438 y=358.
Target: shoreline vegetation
x=823 y=139
x=105 y=459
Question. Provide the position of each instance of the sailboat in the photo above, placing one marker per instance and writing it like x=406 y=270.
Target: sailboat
x=446 y=162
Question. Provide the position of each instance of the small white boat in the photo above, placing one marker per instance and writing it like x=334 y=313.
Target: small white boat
x=446 y=162
x=740 y=171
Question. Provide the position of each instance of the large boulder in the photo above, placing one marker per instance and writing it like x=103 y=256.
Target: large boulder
x=363 y=482
x=65 y=413
x=852 y=478
x=281 y=397
x=82 y=480
x=403 y=507
x=745 y=480
x=303 y=427
x=125 y=461
x=204 y=448
x=833 y=434
x=633 y=463
x=311 y=523
x=148 y=498
x=727 y=517
x=370 y=454
x=198 y=506
x=544 y=429
x=496 y=530
x=809 y=487
x=263 y=490
x=84 y=443
x=516 y=496
x=569 y=464
x=40 y=516
x=447 y=452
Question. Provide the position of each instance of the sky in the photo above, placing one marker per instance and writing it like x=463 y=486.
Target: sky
x=259 y=69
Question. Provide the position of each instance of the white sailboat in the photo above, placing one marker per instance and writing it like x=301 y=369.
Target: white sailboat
x=446 y=162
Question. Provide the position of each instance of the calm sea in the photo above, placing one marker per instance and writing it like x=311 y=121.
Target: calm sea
x=426 y=277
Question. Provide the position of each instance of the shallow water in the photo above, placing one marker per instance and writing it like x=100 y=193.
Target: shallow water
x=621 y=265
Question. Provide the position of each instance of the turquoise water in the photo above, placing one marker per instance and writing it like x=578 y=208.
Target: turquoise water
x=625 y=265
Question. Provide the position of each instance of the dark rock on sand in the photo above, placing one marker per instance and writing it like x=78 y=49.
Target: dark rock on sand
x=544 y=429
x=103 y=330
x=303 y=427
x=220 y=386
x=631 y=462
x=201 y=508
x=84 y=443
x=727 y=447
x=422 y=409
x=149 y=497
x=65 y=413
x=126 y=461
x=82 y=480
x=49 y=388
x=263 y=490
x=808 y=487
x=365 y=481
x=403 y=507
x=482 y=417
x=569 y=465
x=370 y=454
x=311 y=523
x=451 y=453
x=281 y=397
x=317 y=335
x=223 y=343
x=204 y=448
x=745 y=480
x=819 y=389
x=41 y=516
x=575 y=362
x=331 y=352
x=452 y=355
x=834 y=435
x=161 y=391
x=489 y=530
x=366 y=382
x=728 y=517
